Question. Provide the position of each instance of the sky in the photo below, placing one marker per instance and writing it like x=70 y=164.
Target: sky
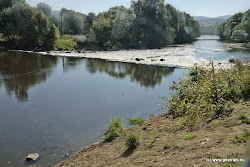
x=209 y=8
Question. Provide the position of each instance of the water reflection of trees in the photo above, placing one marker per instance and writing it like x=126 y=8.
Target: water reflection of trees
x=147 y=76
x=21 y=71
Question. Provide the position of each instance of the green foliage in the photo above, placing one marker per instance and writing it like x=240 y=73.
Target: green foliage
x=215 y=125
x=239 y=36
x=67 y=42
x=237 y=28
x=244 y=118
x=189 y=136
x=115 y=129
x=231 y=60
x=166 y=146
x=24 y=27
x=153 y=140
x=208 y=92
x=136 y=121
x=132 y=141
x=243 y=138
x=147 y=24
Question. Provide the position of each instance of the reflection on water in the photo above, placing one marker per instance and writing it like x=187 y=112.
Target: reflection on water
x=19 y=72
x=147 y=76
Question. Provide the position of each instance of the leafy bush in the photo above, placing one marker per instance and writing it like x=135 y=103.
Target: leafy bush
x=136 y=121
x=115 y=129
x=132 y=141
x=189 y=136
x=208 y=92
x=67 y=42
x=243 y=138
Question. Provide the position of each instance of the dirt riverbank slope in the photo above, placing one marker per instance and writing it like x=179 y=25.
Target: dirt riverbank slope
x=212 y=140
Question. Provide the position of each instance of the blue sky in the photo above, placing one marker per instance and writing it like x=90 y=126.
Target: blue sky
x=210 y=8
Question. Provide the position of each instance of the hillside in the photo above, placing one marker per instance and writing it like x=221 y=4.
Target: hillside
x=209 y=25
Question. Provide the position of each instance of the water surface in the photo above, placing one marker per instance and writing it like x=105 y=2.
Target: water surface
x=53 y=105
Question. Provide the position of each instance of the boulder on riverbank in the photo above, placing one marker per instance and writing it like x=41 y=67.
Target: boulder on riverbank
x=32 y=157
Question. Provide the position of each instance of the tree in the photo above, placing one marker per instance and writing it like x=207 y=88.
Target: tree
x=239 y=36
x=25 y=27
x=45 y=8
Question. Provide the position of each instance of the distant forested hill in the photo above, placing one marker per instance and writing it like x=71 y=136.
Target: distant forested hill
x=236 y=28
x=209 y=25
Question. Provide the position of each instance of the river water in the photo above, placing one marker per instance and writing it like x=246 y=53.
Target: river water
x=52 y=105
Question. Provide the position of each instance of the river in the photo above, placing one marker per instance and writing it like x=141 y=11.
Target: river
x=53 y=105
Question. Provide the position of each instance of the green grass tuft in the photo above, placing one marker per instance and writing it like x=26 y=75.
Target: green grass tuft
x=132 y=141
x=166 y=146
x=115 y=129
x=243 y=138
x=136 y=121
x=244 y=118
x=189 y=136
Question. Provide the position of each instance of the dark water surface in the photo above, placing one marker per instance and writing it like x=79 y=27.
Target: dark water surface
x=53 y=109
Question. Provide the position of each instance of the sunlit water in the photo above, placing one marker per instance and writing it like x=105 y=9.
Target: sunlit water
x=53 y=108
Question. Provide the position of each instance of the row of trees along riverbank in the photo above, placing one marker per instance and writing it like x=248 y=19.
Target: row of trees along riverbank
x=146 y=24
x=236 y=28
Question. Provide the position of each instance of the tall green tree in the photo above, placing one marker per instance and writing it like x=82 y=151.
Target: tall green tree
x=25 y=27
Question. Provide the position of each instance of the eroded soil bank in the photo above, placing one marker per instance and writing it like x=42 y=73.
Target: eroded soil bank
x=212 y=141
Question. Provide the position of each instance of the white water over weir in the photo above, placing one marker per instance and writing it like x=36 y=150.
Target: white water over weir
x=201 y=52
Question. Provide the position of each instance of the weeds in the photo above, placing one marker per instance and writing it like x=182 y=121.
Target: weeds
x=166 y=146
x=208 y=92
x=132 y=141
x=136 y=121
x=189 y=136
x=215 y=125
x=244 y=118
x=243 y=138
x=115 y=129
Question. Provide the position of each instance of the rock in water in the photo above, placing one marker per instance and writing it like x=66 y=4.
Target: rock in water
x=32 y=157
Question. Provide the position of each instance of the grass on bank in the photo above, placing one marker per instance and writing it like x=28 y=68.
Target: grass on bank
x=132 y=141
x=243 y=138
x=135 y=121
x=115 y=129
x=189 y=136
x=67 y=42
x=244 y=118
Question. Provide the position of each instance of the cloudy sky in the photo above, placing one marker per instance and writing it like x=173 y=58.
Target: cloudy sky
x=210 y=8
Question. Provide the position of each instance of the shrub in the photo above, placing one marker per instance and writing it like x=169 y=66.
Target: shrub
x=115 y=129
x=243 y=138
x=189 y=136
x=208 y=92
x=136 y=121
x=132 y=141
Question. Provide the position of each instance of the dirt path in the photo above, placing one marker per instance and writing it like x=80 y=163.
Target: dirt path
x=213 y=140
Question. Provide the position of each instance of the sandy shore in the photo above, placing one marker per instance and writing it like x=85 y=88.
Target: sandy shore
x=212 y=141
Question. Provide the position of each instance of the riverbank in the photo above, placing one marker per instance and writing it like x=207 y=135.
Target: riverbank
x=160 y=146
